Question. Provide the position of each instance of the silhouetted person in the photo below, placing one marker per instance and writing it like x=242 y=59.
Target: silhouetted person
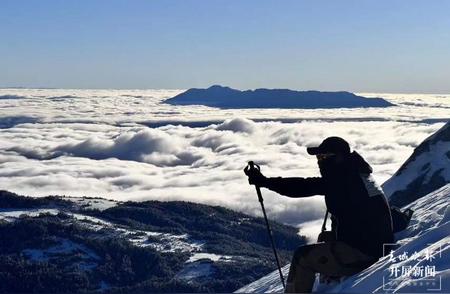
x=361 y=218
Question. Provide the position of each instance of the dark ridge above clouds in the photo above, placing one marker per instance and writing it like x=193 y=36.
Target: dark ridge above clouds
x=225 y=97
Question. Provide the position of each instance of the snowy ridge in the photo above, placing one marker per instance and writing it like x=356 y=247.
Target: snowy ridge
x=199 y=261
x=86 y=258
x=91 y=202
x=425 y=170
x=13 y=214
x=427 y=238
x=163 y=242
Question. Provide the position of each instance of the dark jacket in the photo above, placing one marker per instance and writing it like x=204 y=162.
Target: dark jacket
x=361 y=214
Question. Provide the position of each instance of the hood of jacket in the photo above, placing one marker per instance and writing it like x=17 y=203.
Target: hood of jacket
x=359 y=163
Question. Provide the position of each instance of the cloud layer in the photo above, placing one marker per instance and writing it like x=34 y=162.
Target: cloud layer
x=98 y=143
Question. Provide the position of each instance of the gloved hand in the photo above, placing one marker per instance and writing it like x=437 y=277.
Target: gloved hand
x=255 y=177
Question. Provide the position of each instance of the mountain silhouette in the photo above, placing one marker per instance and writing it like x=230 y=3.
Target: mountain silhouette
x=226 y=97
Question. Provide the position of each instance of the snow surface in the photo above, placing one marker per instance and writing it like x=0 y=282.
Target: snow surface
x=200 y=264
x=195 y=270
x=427 y=238
x=86 y=258
x=160 y=241
x=209 y=256
x=163 y=242
x=12 y=214
x=92 y=203
x=434 y=160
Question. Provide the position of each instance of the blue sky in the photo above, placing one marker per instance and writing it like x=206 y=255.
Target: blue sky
x=381 y=46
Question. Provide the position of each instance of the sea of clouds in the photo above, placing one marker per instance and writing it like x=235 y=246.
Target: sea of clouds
x=128 y=145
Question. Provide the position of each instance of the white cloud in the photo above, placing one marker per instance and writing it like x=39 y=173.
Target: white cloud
x=311 y=229
x=237 y=125
x=147 y=145
x=95 y=145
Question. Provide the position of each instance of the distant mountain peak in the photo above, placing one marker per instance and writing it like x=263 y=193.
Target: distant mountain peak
x=218 y=87
x=226 y=97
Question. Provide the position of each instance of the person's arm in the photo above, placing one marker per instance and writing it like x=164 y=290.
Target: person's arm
x=296 y=187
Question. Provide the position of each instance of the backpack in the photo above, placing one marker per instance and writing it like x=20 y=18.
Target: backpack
x=400 y=221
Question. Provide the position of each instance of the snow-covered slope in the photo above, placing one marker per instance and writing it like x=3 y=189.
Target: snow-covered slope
x=162 y=242
x=423 y=252
x=427 y=169
x=149 y=246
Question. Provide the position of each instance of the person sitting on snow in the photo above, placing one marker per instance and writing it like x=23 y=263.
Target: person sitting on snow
x=361 y=217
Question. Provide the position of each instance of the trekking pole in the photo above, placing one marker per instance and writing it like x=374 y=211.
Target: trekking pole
x=251 y=166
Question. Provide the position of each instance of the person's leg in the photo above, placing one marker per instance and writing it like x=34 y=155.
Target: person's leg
x=333 y=259
x=300 y=278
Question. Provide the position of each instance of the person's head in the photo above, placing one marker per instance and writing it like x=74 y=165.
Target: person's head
x=330 y=154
